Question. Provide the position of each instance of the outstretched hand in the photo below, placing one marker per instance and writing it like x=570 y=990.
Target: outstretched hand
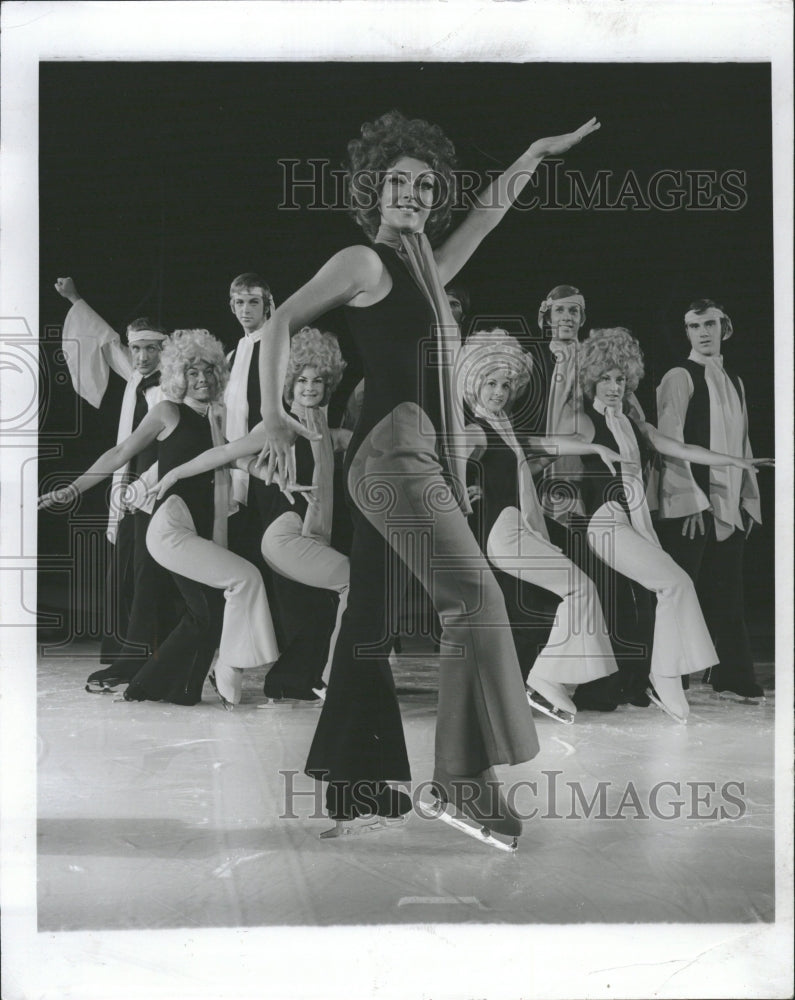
x=556 y=145
x=62 y=497
x=162 y=486
x=751 y=464
x=280 y=436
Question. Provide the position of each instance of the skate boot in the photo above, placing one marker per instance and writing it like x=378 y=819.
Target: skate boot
x=106 y=681
x=475 y=806
x=743 y=694
x=228 y=685
x=364 y=807
x=668 y=695
x=551 y=699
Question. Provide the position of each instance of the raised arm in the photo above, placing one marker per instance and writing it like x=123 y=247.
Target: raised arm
x=355 y=271
x=159 y=419
x=494 y=201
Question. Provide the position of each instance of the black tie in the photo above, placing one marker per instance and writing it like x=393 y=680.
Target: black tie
x=141 y=406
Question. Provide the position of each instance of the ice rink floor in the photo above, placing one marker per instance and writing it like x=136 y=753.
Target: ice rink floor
x=152 y=816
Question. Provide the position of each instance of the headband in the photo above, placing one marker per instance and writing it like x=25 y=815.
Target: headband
x=548 y=302
x=136 y=336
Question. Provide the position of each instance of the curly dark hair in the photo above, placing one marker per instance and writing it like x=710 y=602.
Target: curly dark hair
x=382 y=143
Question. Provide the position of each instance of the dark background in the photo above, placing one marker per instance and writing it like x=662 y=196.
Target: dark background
x=159 y=182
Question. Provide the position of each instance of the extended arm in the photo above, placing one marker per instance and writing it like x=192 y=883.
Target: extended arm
x=351 y=271
x=491 y=205
x=694 y=453
x=154 y=423
x=572 y=444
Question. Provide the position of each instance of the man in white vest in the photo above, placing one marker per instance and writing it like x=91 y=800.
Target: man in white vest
x=137 y=588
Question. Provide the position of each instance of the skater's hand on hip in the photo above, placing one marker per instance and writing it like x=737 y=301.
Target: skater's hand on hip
x=692 y=524
x=474 y=493
x=159 y=490
x=556 y=145
x=609 y=457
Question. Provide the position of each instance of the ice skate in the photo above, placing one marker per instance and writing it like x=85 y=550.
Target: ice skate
x=105 y=681
x=276 y=694
x=363 y=824
x=550 y=699
x=475 y=806
x=739 y=697
x=667 y=695
x=387 y=808
x=227 y=683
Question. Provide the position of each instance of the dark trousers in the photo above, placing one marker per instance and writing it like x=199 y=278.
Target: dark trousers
x=176 y=672
x=716 y=568
x=156 y=602
x=118 y=589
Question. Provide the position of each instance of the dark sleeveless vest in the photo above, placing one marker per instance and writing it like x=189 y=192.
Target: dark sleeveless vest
x=497 y=474
x=599 y=485
x=190 y=438
x=395 y=339
x=697 y=422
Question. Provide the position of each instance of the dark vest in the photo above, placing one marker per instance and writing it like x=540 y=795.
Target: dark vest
x=599 y=485
x=497 y=474
x=697 y=422
x=190 y=438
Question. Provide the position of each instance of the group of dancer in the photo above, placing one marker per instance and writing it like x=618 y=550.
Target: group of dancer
x=223 y=508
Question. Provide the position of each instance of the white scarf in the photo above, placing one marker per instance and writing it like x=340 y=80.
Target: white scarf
x=120 y=497
x=727 y=435
x=529 y=507
x=564 y=412
x=632 y=477
x=236 y=401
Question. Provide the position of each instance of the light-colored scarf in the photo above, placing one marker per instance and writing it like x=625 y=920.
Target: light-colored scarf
x=236 y=401
x=631 y=473
x=319 y=514
x=415 y=250
x=727 y=435
x=529 y=506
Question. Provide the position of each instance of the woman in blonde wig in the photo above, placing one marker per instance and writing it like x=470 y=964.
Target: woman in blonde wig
x=620 y=530
x=514 y=536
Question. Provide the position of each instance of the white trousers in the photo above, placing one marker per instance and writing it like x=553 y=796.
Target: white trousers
x=682 y=644
x=308 y=561
x=578 y=649
x=247 y=639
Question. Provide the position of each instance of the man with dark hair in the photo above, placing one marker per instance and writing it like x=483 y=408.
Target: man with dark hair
x=707 y=513
x=136 y=586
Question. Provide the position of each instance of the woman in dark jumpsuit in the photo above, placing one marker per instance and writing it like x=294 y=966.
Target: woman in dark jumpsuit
x=404 y=484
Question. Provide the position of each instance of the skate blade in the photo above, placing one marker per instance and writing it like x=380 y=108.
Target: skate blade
x=663 y=707
x=738 y=699
x=99 y=687
x=554 y=713
x=364 y=824
x=228 y=705
x=439 y=810
x=320 y=692
x=289 y=703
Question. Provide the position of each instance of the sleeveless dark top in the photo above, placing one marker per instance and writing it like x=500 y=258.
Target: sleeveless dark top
x=497 y=475
x=697 y=421
x=146 y=458
x=599 y=485
x=396 y=342
x=304 y=470
x=190 y=438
